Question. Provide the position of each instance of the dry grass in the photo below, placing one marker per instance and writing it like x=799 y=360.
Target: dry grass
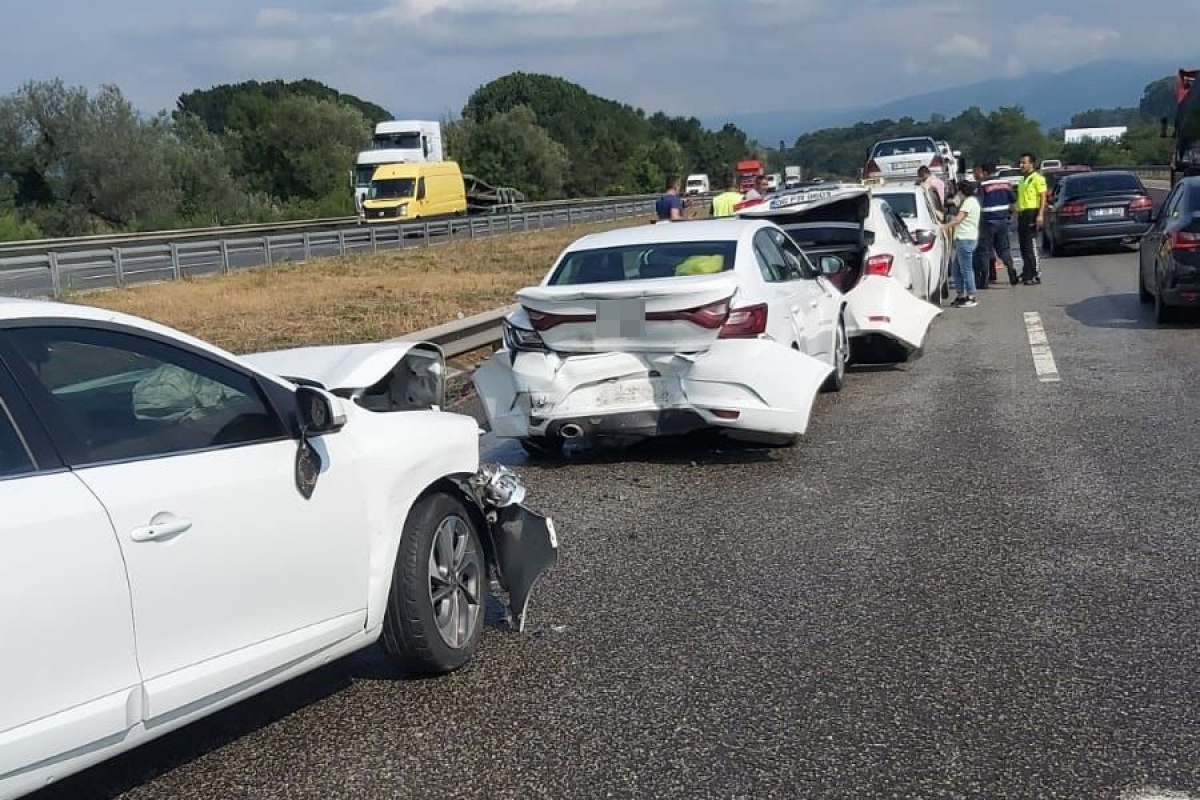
x=352 y=299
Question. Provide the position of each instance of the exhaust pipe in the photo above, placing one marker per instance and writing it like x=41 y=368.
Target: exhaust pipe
x=570 y=431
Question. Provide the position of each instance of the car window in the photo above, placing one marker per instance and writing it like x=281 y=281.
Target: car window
x=15 y=458
x=900 y=147
x=798 y=261
x=771 y=262
x=111 y=396
x=1100 y=183
x=643 y=261
x=899 y=229
x=904 y=204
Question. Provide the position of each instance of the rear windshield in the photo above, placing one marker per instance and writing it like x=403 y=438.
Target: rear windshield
x=819 y=234
x=905 y=205
x=643 y=261
x=1101 y=183
x=903 y=147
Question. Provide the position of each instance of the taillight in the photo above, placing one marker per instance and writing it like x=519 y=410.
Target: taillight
x=872 y=170
x=1072 y=210
x=745 y=322
x=925 y=240
x=711 y=316
x=1185 y=242
x=542 y=321
x=747 y=203
x=937 y=163
x=1141 y=204
x=879 y=265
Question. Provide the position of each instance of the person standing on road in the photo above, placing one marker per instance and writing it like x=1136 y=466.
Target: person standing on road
x=934 y=184
x=996 y=197
x=670 y=206
x=722 y=204
x=1031 y=215
x=760 y=189
x=966 y=237
x=981 y=266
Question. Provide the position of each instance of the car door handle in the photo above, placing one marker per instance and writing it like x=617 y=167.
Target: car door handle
x=162 y=526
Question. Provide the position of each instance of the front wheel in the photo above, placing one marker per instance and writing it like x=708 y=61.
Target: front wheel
x=439 y=592
x=841 y=354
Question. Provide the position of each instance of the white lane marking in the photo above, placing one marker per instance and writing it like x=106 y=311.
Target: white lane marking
x=1043 y=358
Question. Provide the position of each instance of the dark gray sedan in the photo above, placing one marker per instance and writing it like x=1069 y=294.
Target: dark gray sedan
x=1096 y=208
x=1169 y=253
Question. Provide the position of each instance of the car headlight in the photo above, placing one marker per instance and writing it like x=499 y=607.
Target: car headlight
x=498 y=486
x=402 y=211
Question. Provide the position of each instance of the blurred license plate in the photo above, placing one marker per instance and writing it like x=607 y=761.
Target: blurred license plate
x=906 y=165
x=1105 y=213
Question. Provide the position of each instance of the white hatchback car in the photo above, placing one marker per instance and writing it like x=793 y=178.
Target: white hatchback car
x=915 y=206
x=669 y=328
x=183 y=528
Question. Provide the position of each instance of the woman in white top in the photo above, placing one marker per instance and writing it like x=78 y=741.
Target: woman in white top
x=966 y=236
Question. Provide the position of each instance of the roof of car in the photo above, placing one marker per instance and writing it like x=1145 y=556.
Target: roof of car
x=23 y=308
x=724 y=229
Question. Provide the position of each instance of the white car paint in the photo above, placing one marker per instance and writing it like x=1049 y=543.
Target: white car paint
x=621 y=347
x=899 y=159
x=916 y=208
x=892 y=304
x=140 y=594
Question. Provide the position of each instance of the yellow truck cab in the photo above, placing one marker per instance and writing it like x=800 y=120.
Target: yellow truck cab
x=404 y=192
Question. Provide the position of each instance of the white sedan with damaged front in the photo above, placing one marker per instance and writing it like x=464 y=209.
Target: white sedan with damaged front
x=665 y=329
x=183 y=528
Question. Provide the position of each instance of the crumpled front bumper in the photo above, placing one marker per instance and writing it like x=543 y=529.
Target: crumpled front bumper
x=881 y=306
x=521 y=544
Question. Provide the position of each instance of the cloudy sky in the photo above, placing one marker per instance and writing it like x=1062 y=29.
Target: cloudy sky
x=701 y=57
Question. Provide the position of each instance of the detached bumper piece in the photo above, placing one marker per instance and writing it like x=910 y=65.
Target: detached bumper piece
x=522 y=543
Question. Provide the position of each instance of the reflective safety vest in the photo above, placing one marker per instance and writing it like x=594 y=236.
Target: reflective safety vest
x=723 y=203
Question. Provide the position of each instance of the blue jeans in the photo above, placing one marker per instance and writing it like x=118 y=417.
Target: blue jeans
x=964 y=266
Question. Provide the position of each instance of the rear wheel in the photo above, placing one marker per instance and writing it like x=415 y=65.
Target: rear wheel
x=1163 y=313
x=841 y=354
x=439 y=592
x=1144 y=295
x=1053 y=248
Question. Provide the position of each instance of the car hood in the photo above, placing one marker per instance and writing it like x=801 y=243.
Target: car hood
x=381 y=376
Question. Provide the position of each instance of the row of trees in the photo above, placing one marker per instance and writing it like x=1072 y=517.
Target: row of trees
x=73 y=163
x=1000 y=136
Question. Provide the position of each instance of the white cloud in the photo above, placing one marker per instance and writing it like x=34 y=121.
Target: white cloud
x=961 y=45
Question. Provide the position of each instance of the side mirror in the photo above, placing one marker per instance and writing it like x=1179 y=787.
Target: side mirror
x=830 y=265
x=320 y=412
x=421 y=190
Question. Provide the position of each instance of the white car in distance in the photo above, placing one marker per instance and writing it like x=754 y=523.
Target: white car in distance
x=669 y=328
x=916 y=208
x=183 y=528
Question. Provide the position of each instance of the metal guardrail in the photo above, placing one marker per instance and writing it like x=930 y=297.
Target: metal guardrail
x=52 y=273
x=261 y=229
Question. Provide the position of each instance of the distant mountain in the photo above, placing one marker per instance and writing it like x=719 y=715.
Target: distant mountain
x=1051 y=98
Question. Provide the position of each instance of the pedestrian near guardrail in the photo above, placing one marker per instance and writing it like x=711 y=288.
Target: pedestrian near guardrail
x=722 y=204
x=670 y=206
x=1031 y=216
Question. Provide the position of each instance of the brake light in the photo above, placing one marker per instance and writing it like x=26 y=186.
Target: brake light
x=937 y=163
x=1185 y=242
x=925 y=240
x=879 y=265
x=745 y=322
x=1141 y=204
x=1072 y=210
x=711 y=316
x=872 y=170
x=543 y=321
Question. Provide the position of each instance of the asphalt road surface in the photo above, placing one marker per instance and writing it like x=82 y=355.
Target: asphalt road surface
x=971 y=579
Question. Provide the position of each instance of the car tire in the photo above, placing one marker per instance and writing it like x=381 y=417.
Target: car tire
x=841 y=355
x=440 y=554
x=1053 y=248
x=1144 y=295
x=1163 y=313
x=945 y=289
x=543 y=446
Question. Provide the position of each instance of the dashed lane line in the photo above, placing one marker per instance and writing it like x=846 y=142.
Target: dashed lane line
x=1043 y=357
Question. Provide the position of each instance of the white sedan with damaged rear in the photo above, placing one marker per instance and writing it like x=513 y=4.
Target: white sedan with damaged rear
x=183 y=528
x=886 y=277
x=667 y=329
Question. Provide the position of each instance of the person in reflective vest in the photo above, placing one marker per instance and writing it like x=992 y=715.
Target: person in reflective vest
x=722 y=204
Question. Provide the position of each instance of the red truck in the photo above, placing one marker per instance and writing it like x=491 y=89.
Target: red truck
x=1185 y=158
x=747 y=171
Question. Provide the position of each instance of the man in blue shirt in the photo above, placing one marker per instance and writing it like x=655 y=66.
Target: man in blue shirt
x=670 y=206
x=997 y=198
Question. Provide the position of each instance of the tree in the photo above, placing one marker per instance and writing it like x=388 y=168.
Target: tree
x=512 y=149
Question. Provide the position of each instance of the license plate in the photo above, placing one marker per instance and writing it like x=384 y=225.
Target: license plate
x=626 y=393
x=1105 y=213
x=899 y=165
